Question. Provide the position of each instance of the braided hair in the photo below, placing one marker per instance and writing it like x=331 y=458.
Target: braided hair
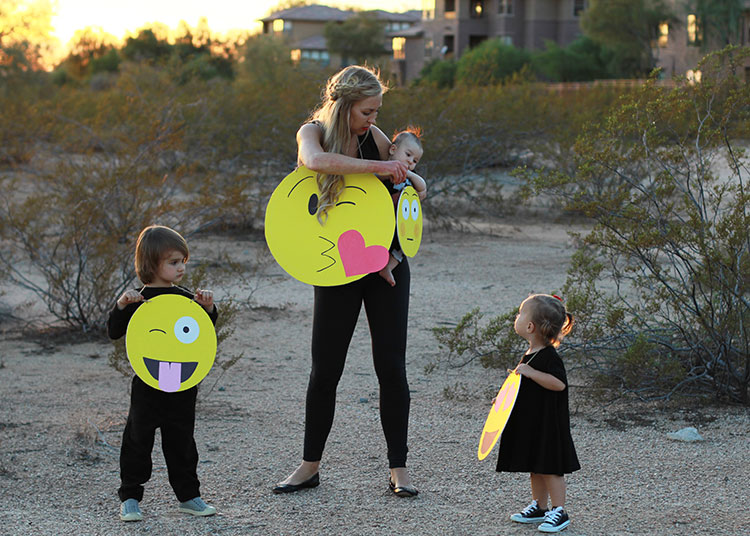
x=350 y=85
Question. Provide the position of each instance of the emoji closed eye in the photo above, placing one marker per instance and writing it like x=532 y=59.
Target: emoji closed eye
x=156 y=329
x=186 y=330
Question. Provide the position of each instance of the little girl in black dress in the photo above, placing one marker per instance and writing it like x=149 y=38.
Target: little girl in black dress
x=537 y=436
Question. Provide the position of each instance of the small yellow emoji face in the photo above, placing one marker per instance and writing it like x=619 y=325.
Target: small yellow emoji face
x=171 y=343
x=352 y=241
x=409 y=221
x=499 y=413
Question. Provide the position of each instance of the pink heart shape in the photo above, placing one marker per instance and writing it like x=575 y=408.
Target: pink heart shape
x=358 y=259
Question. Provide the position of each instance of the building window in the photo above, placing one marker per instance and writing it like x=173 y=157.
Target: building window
x=447 y=45
x=450 y=5
x=693 y=77
x=477 y=9
x=399 y=45
x=694 y=30
x=476 y=40
x=506 y=39
x=428 y=9
x=505 y=7
x=663 y=39
x=296 y=55
x=278 y=25
x=578 y=7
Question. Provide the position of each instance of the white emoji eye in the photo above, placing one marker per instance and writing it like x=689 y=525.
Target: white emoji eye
x=414 y=210
x=186 y=330
x=405 y=209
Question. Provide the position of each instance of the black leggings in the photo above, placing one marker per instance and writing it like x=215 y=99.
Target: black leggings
x=335 y=317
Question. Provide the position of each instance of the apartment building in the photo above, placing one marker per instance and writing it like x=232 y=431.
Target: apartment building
x=680 y=46
x=453 y=26
x=303 y=28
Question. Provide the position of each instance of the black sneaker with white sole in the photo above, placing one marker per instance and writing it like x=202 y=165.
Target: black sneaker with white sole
x=555 y=520
x=531 y=514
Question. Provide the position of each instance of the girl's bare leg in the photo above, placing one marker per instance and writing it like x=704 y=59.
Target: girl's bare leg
x=539 y=490
x=555 y=484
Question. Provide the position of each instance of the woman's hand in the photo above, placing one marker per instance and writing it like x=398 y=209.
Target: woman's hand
x=397 y=170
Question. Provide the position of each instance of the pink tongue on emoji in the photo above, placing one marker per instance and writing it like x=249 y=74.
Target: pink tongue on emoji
x=169 y=376
x=358 y=259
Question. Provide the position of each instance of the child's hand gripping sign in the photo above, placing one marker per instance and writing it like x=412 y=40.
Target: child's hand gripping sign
x=499 y=413
x=352 y=241
x=171 y=343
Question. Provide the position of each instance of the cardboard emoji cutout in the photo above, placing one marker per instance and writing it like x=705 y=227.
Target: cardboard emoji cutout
x=171 y=342
x=409 y=221
x=499 y=413
x=350 y=243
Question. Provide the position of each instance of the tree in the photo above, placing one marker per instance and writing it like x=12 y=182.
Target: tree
x=720 y=20
x=359 y=38
x=490 y=63
x=25 y=29
x=88 y=46
x=583 y=59
x=628 y=28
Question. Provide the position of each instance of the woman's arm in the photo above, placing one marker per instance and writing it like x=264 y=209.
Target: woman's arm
x=548 y=381
x=311 y=154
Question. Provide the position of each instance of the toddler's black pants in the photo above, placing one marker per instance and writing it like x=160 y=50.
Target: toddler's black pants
x=174 y=414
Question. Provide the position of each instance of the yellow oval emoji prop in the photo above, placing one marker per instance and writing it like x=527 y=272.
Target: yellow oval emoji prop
x=171 y=342
x=352 y=242
x=409 y=221
x=499 y=413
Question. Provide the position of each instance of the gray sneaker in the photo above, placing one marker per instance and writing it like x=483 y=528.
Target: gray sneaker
x=129 y=511
x=197 y=507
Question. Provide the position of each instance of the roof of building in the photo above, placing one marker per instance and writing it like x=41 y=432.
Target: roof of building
x=309 y=13
x=322 y=13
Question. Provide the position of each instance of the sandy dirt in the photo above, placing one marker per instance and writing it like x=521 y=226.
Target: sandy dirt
x=63 y=409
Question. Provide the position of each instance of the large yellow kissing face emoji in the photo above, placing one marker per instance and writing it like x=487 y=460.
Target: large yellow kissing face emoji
x=409 y=221
x=352 y=241
x=499 y=414
x=171 y=343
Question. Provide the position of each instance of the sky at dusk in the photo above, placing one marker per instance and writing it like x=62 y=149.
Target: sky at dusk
x=119 y=19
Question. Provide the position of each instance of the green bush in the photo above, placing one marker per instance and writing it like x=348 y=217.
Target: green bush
x=491 y=62
x=660 y=285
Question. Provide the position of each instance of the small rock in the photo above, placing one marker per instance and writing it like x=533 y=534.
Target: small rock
x=363 y=400
x=686 y=434
x=222 y=388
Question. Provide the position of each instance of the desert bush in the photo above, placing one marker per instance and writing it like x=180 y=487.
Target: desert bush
x=660 y=284
x=491 y=62
x=438 y=73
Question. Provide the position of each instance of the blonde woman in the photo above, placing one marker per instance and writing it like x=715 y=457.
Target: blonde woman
x=341 y=138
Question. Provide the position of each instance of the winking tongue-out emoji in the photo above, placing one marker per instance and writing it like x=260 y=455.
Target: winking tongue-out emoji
x=171 y=343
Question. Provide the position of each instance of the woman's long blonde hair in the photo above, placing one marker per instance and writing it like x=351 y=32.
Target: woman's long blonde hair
x=349 y=85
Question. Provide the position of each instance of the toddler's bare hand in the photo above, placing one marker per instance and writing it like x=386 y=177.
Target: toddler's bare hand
x=128 y=297
x=205 y=298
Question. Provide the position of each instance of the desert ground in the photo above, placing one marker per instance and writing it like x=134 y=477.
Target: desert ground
x=63 y=409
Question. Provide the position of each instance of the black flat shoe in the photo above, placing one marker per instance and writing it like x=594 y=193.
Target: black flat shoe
x=402 y=491
x=311 y=482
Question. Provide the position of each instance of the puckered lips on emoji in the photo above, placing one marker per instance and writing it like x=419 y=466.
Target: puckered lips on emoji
x=499 y=413
x=350 y=242
x=171 y=343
